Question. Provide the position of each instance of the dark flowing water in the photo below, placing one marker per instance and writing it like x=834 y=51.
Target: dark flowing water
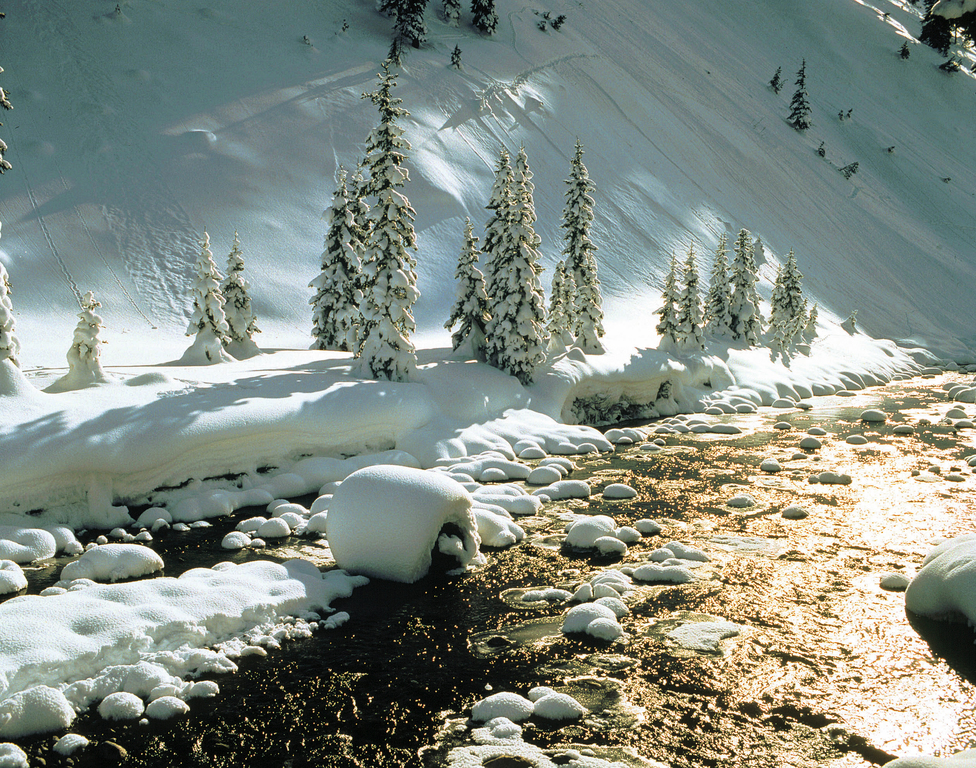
x=828 y=669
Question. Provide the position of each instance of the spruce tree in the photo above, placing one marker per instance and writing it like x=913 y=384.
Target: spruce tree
x=516 y=333
x=208 y=323
x=936 y=32
x=389 y=267
x=84 y=356
x=485 y=17
x=410 y=25
x=241 y=322
x=471 y=305
x=456 y=57
x=452 y=12
x=587 y=314
x=745 y=311
x=810 y=330
x=800 y=105
x=788 y=308
x=688 y=312
x=667 y=327
x=718 y=303
x=500 y=204
x=905 y=52
x=561 y=302
x=777 y=82
x=9 y=344
x=337 y=298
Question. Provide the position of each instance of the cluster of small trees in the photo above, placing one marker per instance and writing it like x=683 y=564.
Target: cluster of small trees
x=409 y=26
x=367 y=286
x=731 y=307
x=800 y=110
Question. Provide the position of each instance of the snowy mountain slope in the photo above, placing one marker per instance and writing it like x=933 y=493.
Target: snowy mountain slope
x=133 y=132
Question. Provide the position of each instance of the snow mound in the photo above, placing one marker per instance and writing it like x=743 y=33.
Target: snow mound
x=557 y=706
x=496 y=530
x=656 y=574
x=25 y=545
x=703 y=635
x=964 y=759
x=166 y=707
x=113 y=562
x=565 y=489
x=619 y=491
x=70 y=743
x=384 y=521
x=946 y=583
x=508 y=705
x=37 y=710
x=12 y=578
x=121 y=706
x=583 y=533
x=12 y=756
x=594 y=619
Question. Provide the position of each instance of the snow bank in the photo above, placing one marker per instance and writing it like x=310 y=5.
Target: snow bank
x=144 y=636
x=113 y=562
x=964 y=759
x=945 y=585
x=384 y=522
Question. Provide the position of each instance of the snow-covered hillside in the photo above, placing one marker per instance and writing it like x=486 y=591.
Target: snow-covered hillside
x=133 y=131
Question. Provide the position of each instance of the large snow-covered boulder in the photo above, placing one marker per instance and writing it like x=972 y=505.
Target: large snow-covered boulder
x=946 y=583
x=385 y=520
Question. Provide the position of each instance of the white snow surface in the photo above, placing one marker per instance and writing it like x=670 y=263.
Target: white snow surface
x=384 y=521
x=146 y=636
x=945 y=585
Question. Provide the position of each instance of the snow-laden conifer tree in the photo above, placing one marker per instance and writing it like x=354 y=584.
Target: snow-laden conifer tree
x=788 y=310
x=586 y=315
x=667 y=326
x=516 y=334
x=485 y=17
x=800 y=105
x=562 y=299
x=452 y=12
x=208 y=324
x=5 y=103
x=717 y=315
x=745 y=311
x=241 y=322
x=410 y=26
x=471 y=306
x=335 y=305
x=810 y=330
x=688 y=312
x=500 y=204
x=84 y=356
x=389 y=268
x=9 y=345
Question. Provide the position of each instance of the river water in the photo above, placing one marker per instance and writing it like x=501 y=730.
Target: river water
x=827 y=668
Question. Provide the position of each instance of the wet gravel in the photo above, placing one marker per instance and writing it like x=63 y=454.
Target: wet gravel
x=828 y=669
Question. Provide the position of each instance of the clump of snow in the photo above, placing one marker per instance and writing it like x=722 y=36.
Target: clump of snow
x=26 y=545
x=945 y=585
x=873 y=416
x=553 y=705
x=665 y=573
x=12 y=578
x=810 y=443
x=594 y=619
x=12 y=756
x=505 y=704
x=36 y=710
x=384 y=521
x=648 y=527
x=619 y=491
x=275 y=528
x=544 y=476
x=610 y=545
x=831 y=478
x=770 y=465
x=964 y=759
x=70 y=743
x=235 y=540
x=113 y=562
x=857 y=440
x=166 y=707
x=703 y=635
x=583 y=533
x=121 y=706
x=565 y=489
x=894 y=581
x=687 y=552
x=496 y=530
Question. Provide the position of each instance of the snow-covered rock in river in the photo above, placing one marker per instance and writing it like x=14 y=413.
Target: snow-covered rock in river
x=12 y=578
x=113 y=562
x=619 y=491
x=384 y=521
x=946 y=583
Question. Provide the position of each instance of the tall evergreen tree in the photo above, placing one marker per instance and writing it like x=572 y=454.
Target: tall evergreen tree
x=745 y=310
x=241 y=322
x=410 y=26
x=580 y=258
x=390 y=269
x=485 y=17
x=337 y=298
x=9 y=344
x=788 y=311
x=717 y=315
x=810 y=329
x=562 y=298
x=777 y=82
x=688 y=312
x=208 y=323
x=936 y=32
x=667 y=327
x=800 y=104
x=516 y=333
x=471 y=305
x=500 y=204
x=452 y=12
